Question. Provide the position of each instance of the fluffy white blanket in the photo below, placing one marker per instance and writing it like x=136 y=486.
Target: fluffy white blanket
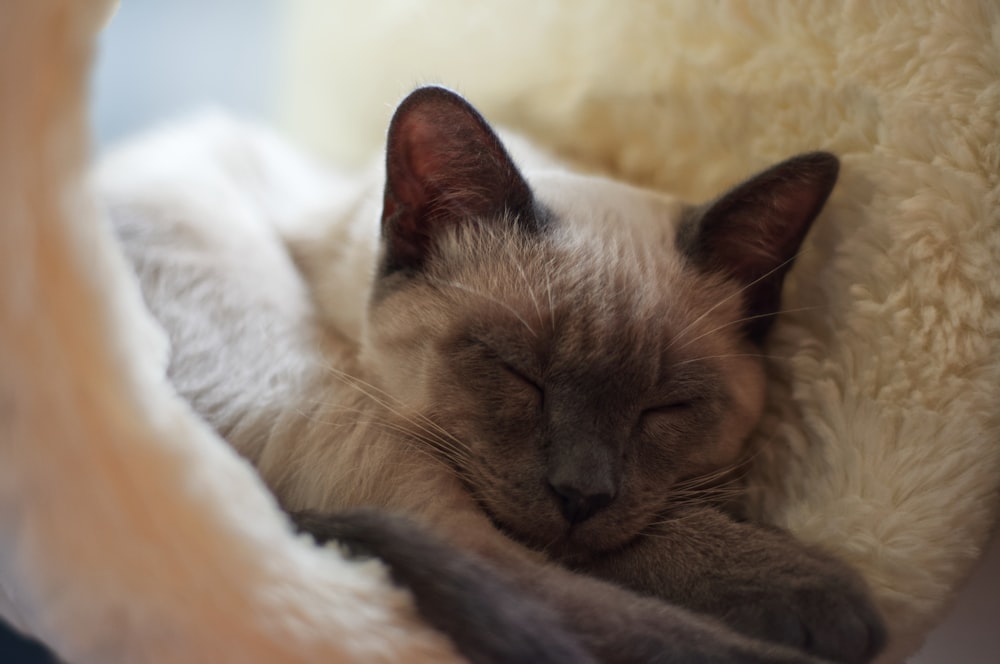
x=882 y=440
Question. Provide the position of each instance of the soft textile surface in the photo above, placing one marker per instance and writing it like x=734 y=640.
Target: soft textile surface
x=882 y=439
x=128 y=531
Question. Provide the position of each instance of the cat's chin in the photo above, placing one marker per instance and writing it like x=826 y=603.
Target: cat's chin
x=562 y=541
x=586 y=540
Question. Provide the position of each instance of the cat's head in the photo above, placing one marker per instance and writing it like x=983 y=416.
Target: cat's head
x=573 y=347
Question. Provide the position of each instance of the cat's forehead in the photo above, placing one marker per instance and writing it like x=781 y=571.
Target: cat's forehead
x=635 y=307
x=604 y=284
x=602 y=205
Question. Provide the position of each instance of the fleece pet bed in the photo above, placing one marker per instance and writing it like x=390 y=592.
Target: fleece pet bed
x=128 y=531
x=882 y=437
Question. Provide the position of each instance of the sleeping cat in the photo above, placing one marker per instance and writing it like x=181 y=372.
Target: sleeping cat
x=540 y=368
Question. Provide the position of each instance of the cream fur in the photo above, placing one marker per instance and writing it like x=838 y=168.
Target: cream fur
x=128 y=531
x=880 y=440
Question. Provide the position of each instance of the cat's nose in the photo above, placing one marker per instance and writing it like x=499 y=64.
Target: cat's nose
x=578 y=506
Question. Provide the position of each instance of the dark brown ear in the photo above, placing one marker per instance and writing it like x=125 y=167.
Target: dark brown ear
x=444 y=166
x=753 y=233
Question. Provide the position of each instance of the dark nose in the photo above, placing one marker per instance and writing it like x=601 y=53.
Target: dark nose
x=578 y=506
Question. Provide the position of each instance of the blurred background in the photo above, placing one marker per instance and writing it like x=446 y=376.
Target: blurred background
x=161 y=59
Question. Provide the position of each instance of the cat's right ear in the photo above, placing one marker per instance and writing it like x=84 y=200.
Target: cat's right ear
x=444 y=167
x=753 y=233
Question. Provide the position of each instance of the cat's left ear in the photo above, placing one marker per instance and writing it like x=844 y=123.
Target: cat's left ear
x=444 y=167
x=753 y=233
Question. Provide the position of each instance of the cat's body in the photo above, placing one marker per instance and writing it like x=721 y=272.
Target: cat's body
x=531 y=371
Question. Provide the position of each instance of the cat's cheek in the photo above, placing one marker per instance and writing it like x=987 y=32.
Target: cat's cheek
x=404 y=368
x=741 y=412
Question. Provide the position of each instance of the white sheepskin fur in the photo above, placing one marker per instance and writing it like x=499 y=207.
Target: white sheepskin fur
x=128 y=531
x=882 y=438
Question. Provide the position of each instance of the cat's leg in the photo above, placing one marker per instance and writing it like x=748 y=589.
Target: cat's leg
x=488 y=620
x=621 y=627
x=504 y=606
x=758 y=580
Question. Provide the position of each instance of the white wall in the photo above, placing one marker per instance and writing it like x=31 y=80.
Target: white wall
x=159 y=58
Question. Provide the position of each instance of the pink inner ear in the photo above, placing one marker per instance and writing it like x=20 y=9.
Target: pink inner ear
x=422 y=146
x=413 y=164
x=447 y=160
x=754 y=232
x=778 y=225
x=770 y=219
x=444 y=166
x=410 y=165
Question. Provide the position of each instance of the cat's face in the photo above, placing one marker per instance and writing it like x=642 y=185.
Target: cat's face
x=571 y=361
x=572 y=348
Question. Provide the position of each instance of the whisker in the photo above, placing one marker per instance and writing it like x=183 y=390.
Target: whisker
x=762 y=356
x=454 y=460
x=451 y=453
x=680 y=335
x=676 y=520
x=734 y=472
x=548 y=291
x=472 y=291
x=449 y=442
x=740 y=321
x=528 y=285
x=710 y=492
x=411 y=438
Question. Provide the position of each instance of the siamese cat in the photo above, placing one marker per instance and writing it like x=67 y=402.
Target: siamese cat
x=544 y=372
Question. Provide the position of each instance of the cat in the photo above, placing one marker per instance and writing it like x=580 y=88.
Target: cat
x=537 y=374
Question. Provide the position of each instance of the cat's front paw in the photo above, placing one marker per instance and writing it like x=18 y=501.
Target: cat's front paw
x=810 y=602
x=757 y=580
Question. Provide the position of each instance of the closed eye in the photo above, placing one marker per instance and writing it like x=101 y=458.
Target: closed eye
x=522 y=377
x=666 y=419
x=670 y=408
